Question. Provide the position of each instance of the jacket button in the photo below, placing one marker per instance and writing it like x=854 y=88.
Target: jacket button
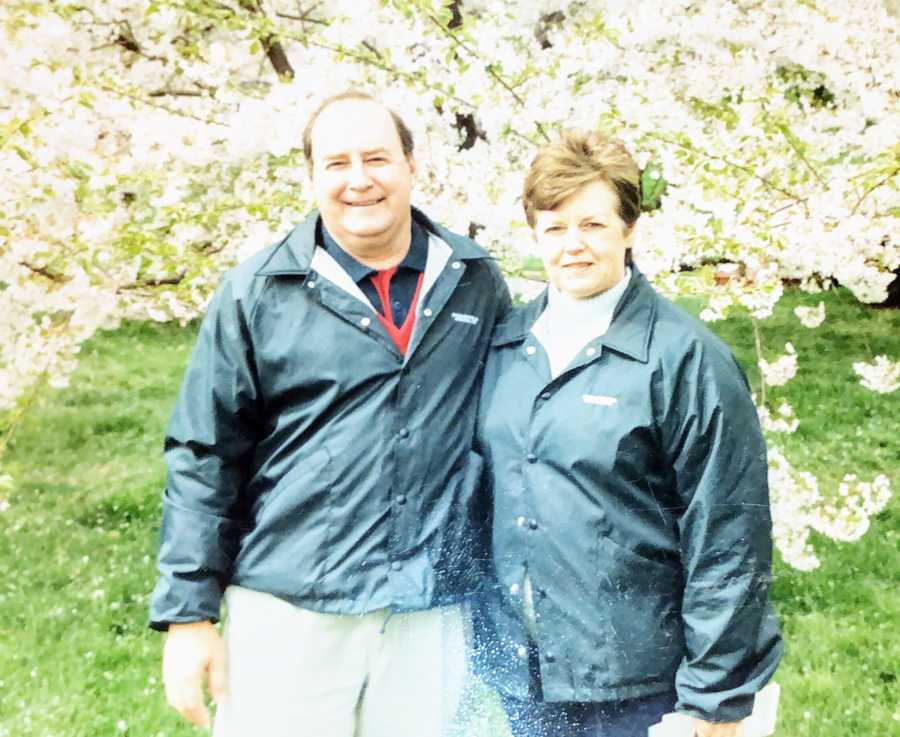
x=531 y=458
x=531 y=350
x=591 y=351
x=403 y=432
x=550 y=658
x=365 y=322
x=396 y=565
x=311 y=284
x=427 y=312
x=521 y=521
x=456 y=265
x=401 y=500
x=522 y=652
x=514 y=589
x=532 y=524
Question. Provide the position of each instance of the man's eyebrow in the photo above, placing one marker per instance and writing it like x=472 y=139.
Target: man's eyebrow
x=372 y=151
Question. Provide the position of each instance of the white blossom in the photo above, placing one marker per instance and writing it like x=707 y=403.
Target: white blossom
x=882 y=375
x=811 y=317
x=780 y=371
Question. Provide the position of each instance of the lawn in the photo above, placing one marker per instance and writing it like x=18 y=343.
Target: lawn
x=78 y=539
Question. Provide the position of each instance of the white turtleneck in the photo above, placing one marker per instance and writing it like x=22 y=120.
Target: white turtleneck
x=568 y=324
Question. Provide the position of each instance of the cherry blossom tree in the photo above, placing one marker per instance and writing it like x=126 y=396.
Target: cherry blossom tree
x=148 y=145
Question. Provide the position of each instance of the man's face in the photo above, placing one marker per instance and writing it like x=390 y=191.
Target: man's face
x=361 y=178
x=583 y=241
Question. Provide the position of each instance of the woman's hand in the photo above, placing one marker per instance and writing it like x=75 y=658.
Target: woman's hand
x=711 y=729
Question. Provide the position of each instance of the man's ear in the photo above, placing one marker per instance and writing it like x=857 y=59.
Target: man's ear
x=412 y=164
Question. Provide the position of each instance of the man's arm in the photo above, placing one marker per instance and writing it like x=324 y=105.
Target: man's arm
x=213 y=429
x=712 y=435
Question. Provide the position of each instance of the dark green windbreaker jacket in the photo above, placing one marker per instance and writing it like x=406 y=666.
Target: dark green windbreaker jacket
x=307 y=459
x=633 y=489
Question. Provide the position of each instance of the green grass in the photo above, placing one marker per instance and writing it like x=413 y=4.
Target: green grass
x=78 y=541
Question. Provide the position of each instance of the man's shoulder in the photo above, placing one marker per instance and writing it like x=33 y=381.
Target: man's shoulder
x=463 y=246
x=275 y=258
x=242 y=279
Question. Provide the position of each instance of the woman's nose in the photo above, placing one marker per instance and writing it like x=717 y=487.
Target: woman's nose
x=572 y=241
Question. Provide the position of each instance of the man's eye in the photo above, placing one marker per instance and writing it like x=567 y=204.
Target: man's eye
x=376 y=160
x=336 y=165
x=555 y=230
x=595 y=225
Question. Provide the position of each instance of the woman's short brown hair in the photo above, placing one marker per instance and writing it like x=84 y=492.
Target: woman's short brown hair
x=580 y=157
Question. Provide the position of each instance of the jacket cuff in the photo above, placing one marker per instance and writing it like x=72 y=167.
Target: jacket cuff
x=177 y=601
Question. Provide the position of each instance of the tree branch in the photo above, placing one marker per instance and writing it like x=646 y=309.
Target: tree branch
x=45 y=272
x=175 y=93
x=137 y=98
x=489 y=68
x=875 y=186
x=161 y=282
x=728 y=162
x=271 y=45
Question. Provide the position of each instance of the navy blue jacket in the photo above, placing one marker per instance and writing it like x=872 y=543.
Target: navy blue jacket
x=308 y=459
x=633 y=490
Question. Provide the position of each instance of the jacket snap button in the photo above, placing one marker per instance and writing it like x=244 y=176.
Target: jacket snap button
x=514 y=589
x=531 y=458
x=401 y=500
x=522 y=652
x=532 y=524
x=403 y=432
x=530 y=350
x=520 y=521
x=456 y=265
x=365 y=322
x=591 y=351
x=311 y=284
x=396 y=566
x=427 y=312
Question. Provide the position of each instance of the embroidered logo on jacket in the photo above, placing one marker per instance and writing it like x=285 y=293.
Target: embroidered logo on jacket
x=462 y=317
x=599 y=399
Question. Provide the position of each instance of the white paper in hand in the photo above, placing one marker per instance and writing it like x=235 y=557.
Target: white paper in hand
x=761 y=723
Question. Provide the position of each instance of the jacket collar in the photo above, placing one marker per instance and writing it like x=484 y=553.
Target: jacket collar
x=630 y=330
x=294 y=254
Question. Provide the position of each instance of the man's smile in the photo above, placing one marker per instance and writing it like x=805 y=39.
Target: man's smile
x=365 y=203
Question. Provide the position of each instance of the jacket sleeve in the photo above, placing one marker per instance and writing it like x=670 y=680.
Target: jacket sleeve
x=211 y=432
x=718 y=456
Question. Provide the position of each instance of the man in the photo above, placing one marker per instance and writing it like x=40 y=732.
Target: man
x=319 y=460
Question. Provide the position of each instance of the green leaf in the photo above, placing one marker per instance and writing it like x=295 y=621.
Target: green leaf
x=653 y=187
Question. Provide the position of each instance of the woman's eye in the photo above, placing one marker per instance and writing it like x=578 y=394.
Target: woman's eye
x=554 y=230
x=595 y=225
x=376 y=160
x=336 y=165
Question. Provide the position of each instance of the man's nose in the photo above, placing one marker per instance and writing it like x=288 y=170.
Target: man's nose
x=359 y=176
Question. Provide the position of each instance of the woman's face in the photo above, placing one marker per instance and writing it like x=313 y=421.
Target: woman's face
x=583 y=241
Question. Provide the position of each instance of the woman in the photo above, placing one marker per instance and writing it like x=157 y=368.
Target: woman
x=631 y=527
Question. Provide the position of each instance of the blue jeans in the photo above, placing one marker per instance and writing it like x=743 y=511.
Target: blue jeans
x=631 y=718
